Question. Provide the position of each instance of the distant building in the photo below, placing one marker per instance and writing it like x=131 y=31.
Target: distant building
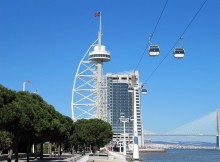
x=119 y=100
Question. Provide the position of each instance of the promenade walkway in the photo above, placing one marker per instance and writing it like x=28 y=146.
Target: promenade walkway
x=64 y=157
x=112 y=157
x=67 y=157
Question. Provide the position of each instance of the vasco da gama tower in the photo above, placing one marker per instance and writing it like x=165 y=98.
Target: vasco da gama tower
x=88 y=95
x=95 y=95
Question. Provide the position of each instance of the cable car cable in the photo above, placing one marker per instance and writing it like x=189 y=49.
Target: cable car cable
x=151 y=35
x=193 y=18
x=159 y=19
x=151 y=74
x=176 y=41
x=142 y=57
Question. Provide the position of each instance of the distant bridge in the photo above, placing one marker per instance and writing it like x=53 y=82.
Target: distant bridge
x=202 y=127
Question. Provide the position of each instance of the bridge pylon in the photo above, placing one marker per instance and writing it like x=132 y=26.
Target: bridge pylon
x=218 y=129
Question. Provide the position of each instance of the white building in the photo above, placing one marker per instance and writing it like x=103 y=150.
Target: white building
x=119 y=100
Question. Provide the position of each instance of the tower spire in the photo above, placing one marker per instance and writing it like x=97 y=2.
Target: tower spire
x=100 y=30
x=88 y=95
x=99 y=55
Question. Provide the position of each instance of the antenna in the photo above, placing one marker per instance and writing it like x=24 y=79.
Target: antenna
x=100 y=30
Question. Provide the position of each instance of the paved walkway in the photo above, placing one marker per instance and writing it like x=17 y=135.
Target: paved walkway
x=112 y=157
x=64 y=157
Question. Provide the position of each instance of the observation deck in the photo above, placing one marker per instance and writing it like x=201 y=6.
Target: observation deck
x=99 y=54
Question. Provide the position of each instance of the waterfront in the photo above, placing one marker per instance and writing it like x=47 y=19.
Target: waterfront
x=183 y=155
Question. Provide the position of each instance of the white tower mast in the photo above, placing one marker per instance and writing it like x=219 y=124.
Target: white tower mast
x=87 y=94
x=99 y=55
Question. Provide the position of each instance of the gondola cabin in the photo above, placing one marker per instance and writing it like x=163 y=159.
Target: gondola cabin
x=154 y=50
x=130 y=89
x=122 y=115
x=144 y=91
x=179 y=52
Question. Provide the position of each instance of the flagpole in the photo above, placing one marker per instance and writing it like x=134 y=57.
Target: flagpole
x=100 y=23
x=100 y=31
x=24 y=84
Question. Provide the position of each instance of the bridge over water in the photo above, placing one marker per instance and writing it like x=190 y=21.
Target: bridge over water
x=206 y=126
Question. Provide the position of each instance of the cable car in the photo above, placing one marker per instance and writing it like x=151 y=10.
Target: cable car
x=130 y=89
x=122 y=115
x=154 y=50
x=179 y=52
x=144 y=91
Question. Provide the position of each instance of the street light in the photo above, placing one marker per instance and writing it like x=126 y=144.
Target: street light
x=124 y=120
x=134 y=88
x=135 y=138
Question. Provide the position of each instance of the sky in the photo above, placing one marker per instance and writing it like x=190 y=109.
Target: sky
x=44 y=40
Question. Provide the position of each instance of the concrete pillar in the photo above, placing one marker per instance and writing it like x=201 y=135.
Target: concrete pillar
x=99 y=89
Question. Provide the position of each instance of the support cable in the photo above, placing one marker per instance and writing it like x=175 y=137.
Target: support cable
x=159 y=19
x=152 y=34
x=187 y=27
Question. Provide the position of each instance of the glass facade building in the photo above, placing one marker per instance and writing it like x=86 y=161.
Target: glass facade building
x=119 y=101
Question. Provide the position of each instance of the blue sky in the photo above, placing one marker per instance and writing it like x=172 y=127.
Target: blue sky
x=44 y=40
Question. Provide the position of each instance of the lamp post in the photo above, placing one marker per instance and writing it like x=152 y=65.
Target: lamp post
x=135 y=88
x=135 y=138
x=124 y=120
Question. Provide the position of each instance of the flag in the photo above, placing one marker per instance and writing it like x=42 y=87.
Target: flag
x=96 y=14
x=28 y=81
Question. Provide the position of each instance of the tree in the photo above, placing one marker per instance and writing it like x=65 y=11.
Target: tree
x=20 y=117
x=65 y=131
x=31 y=120
x=74 y=141
x=6 y=98
x=102 y=133
x=25 y=115
x=94 y=132
x=5 y=140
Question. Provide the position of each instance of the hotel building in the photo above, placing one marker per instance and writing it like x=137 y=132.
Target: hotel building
x=120 y=101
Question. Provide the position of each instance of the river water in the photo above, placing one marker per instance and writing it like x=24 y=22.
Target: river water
x=201 y=155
